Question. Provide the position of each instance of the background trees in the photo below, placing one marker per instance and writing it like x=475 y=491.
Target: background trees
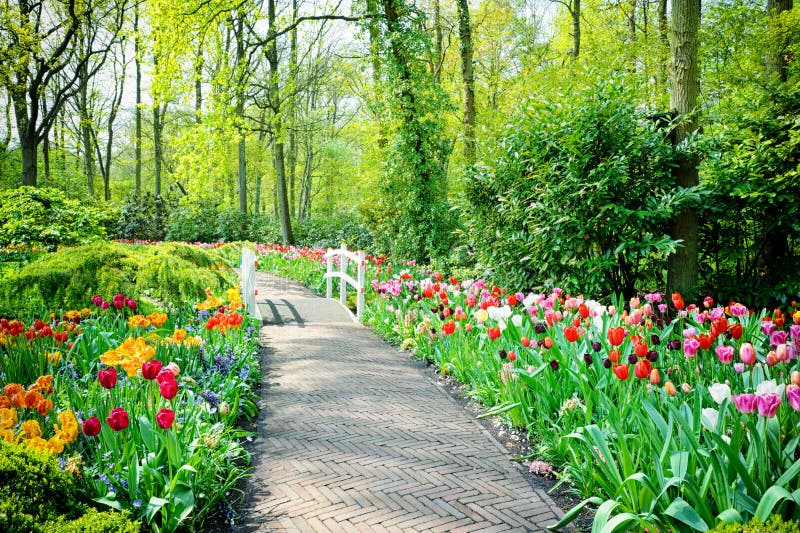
x=253 y=118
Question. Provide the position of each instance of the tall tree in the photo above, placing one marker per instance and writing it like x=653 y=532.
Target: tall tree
x=138 y=111
x=281 y=191
x=683 y=265
x=468 y=79
x=38 y=48
x=776 y=55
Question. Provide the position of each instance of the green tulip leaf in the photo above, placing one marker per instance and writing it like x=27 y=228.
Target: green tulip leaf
x=683 y=512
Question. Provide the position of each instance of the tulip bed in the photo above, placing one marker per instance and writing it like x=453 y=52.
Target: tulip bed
x=142 y=408
x=663 y=415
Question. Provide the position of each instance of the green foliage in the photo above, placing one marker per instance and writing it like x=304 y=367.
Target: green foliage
x=775 y=524
x=97 y=522
x=46 y=218
x=193 y=222
x=331 y=232
x=579 y=194
x=412 y=218
x=144 y=217
x=232 y=225
x=179 y=273
x=751 y=223
x=170 y=272
x=33 y=489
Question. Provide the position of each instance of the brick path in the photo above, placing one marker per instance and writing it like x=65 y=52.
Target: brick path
x=355 y=438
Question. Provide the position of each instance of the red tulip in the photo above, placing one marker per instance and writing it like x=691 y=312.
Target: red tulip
x=117 y=419
x=493 y=333
x=719 y=326
x=641 y=349
x=449 y=327
x=677 y=300
x=525 y=341
x=91 y=427
x=705 y=341
x=642 y=369
x=165 y=418
x=107 y=377
x=736 y=331
x=622 y=371
x=583 y=311
x=512 y=300
x=512 y=356
x=613 y=356
x=616 y=336
x=571 y=333
x=150 y=369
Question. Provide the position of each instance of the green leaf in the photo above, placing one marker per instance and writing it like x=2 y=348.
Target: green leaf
x=575 y=511
x=772 y=497
x=683 y=512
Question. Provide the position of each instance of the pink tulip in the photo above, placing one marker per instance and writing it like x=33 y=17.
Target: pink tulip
x=768 y=404
x=745 y=403
x=690 y=347
x=724 y=353
x=793 y=395
x=747 y=354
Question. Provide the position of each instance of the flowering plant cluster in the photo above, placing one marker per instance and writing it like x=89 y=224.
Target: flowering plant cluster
x=131 y=398
x=668 y=415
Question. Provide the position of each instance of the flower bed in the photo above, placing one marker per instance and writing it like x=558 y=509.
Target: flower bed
x=663 y=415
x=142 y=408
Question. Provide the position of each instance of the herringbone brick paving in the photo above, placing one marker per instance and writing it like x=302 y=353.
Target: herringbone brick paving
x=355 y=438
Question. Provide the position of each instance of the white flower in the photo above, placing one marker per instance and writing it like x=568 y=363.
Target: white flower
x=720 y=392
x=770 y=387
x=528 y=301
x=516 y=320
x=502 y=324
x=500 y=313
x=709 y=416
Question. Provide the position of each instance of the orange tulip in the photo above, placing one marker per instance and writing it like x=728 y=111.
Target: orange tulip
x=616 y=336
x=655 y=376
x=622 y=371
x=677 y=301
x=613 y=356
x=670 y=389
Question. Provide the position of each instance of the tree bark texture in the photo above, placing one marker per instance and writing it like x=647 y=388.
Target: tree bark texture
x=138 y=112
x=468 y=79
x=776 y=56
x=683 y=265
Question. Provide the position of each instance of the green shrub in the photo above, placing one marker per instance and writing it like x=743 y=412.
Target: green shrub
x=193 y=222
x=330 y=232
x=170 y=272
x=33 y=489
x=579 y=194
x=264 y=229
x=775 y=524
x=232 y=225
x=45 y=218
x=144 y=217
x=97 y=522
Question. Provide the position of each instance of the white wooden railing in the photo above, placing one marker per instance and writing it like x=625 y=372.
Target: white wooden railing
x=248 y=278
x=344 y=256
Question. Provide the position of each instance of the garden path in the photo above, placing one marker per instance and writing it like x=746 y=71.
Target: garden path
x=355 y=437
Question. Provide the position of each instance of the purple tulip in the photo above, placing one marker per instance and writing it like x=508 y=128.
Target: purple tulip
x=738 y=367
x=768 y=404
x=745 y=403
x=794 y=331
x=767 y=327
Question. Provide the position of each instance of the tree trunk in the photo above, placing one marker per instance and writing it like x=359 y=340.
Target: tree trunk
x=86 y=128
x=663 y=47
x=138 y=112
x=438 y=49
x=46 y=145
x=26 y=133
x=575 y=12
x=198 y=84
x=683 y=265
x=776 y=56
x=157 y=146
x=242 y=156
x=467 y=76
x=280 y=172
x=291 y=157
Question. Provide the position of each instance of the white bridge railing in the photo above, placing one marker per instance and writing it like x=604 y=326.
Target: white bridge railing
x=344 y=256
x=248 y=274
